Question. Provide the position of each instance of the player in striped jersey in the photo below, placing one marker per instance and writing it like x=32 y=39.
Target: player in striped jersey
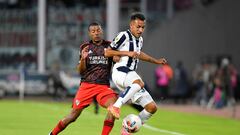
x=124 y=74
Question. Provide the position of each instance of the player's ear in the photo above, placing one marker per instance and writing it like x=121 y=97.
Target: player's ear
x=89 y=34
x=102 y=32
x=131 y=24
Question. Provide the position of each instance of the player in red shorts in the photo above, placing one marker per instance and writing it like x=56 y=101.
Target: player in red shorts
x=94 y=68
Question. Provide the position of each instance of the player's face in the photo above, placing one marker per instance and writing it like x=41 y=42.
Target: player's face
x=137 y=27
x=95 y=33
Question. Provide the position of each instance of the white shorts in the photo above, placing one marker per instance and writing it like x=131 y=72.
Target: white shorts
x=122 y=80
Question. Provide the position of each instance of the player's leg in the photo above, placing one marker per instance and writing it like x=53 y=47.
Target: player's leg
x=144 y=99
x=133 y=84
x=82 y=99
x=62 y=124
x=109 y=120
x=148 y=111
x=129 y=92
x=106 y=98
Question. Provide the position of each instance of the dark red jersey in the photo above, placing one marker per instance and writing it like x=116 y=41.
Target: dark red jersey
x=98 y=66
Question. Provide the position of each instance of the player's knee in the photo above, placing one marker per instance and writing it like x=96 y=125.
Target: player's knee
x=110 y=101
x=151 y=108
x=154 y=110
x=140 y=83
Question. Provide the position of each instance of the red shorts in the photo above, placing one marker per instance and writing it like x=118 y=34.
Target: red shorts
x=88 y=91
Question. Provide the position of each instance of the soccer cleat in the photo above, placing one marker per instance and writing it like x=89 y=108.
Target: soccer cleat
x=115 y=111
x=50 y=133
x=124 y=131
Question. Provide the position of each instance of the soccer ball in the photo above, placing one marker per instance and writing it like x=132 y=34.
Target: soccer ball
x=132 y=123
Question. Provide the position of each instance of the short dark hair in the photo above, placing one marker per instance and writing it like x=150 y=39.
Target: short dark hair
x=93 y=24
x=137 y=15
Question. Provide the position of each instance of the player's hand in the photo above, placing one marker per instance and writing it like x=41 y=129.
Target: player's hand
x=162 y=61
x=116 y=58
x=84 y=52
x=134 y=55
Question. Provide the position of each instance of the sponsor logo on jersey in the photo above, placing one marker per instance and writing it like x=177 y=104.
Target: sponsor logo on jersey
x=98 y=60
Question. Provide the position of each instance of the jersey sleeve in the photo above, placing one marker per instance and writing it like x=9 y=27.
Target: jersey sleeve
x=118 y=41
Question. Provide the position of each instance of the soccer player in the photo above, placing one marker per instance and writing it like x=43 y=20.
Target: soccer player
x=123 y=73
x=94 y=68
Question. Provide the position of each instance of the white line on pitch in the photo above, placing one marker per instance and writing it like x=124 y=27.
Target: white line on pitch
x=161 y=130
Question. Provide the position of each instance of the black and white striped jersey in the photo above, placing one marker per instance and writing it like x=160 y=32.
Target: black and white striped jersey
x=125 y=41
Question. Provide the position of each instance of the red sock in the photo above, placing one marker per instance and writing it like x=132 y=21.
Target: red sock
x=60 y=127
x=107 y=127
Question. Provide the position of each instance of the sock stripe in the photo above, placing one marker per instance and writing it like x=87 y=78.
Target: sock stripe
x=109 y=123
x=107 y=127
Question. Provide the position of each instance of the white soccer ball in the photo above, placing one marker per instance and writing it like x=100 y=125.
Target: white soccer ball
x=132 y=123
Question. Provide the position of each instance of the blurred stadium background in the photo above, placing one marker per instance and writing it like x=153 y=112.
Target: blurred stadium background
x=39 y=43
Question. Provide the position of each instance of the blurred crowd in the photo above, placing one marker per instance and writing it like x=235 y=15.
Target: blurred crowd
x=17 y=60
x=211 y=84
x=215 y=84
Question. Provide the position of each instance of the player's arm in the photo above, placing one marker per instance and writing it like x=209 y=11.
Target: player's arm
x=145 y=57
x=108 y=52
x=81 y=67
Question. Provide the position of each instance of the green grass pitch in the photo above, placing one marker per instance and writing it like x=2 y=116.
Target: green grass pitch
x=38 y=118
